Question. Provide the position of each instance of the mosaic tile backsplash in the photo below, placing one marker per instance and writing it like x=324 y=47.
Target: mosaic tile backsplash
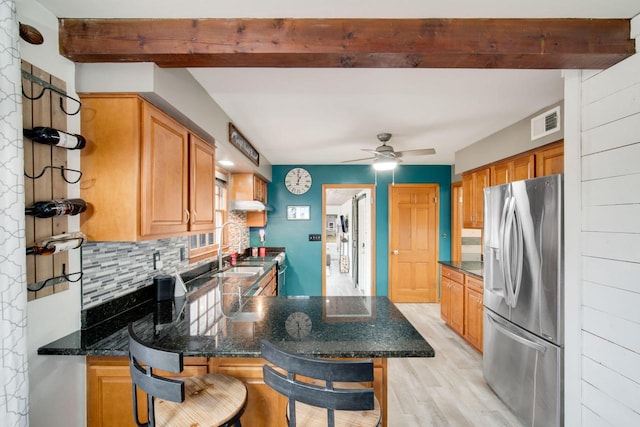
x=471 y=244
x=114 y=269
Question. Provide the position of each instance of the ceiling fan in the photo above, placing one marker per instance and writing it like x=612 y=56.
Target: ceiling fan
x=385 y=158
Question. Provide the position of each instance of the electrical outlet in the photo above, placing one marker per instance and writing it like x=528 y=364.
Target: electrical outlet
x=157 y=263
x=183 y=253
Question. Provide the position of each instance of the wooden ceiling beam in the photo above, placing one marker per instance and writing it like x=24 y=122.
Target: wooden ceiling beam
x=351 y=43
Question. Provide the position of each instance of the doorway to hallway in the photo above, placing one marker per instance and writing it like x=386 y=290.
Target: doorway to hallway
x=348 y=240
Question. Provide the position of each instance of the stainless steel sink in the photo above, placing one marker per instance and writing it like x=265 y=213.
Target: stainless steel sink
x=235 y=274
x=247 y=317
x=242 y=271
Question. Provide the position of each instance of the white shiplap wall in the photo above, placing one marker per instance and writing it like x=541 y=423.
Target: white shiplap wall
x=610 y=246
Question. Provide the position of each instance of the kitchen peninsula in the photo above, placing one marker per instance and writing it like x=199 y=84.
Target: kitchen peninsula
x=219 y=327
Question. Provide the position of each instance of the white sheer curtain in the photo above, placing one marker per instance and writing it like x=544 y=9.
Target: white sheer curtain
x=14 y=388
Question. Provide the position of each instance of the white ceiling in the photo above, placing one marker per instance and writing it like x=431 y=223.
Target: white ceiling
x=325 y=116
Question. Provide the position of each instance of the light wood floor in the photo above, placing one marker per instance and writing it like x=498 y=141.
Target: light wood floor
x=337 y=283
x=447 y=390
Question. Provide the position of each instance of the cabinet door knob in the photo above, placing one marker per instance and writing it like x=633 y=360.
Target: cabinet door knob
x=188 y=215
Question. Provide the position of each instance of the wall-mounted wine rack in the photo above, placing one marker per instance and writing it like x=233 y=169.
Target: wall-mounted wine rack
x=44 y=103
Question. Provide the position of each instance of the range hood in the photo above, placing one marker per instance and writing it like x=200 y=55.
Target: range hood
x=249 y=206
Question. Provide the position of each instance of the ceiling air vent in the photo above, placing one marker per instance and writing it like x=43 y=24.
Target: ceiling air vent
x=545 y=123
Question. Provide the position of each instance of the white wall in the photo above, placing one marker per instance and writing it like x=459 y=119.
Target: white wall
x=602 y=200
x=176 y=92
x=507 y=142
x=56 y=383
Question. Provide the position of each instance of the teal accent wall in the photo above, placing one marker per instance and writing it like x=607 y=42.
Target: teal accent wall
x=304 y=272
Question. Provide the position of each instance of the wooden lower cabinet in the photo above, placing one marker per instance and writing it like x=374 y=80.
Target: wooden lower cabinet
x=265 y=407
x=109 y=398
x=473 y=312
x=109 y=389
x=461 y=304
x=268 y=284
x=452 y=299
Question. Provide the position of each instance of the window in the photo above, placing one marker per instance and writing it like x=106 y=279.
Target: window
x=204 y=245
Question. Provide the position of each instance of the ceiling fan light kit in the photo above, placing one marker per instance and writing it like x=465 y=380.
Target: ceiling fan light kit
x=384 y=164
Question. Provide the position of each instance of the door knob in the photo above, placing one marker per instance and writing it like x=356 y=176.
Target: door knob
x=396 y=252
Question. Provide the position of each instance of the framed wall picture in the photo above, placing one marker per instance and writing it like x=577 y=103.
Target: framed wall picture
x=298 y=212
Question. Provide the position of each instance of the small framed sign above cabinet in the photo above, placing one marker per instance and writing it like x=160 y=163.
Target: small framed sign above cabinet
x=242 y=144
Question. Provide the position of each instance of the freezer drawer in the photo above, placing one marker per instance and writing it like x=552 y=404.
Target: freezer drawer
x=525 y=371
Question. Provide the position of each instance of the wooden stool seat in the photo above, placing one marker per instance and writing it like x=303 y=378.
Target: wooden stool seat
x=313 y=416
x=210 y=400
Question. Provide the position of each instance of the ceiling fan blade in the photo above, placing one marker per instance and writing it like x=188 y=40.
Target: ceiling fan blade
x=357 y=160
x=370 y=150
x=419 y=152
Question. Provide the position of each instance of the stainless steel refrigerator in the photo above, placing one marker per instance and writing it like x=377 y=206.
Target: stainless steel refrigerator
x=523 y=297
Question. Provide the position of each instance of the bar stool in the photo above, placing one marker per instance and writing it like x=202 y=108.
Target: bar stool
x=202 y=400
x=338 y=401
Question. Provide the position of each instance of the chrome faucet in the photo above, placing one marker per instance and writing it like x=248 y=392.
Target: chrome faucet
x=221 y=247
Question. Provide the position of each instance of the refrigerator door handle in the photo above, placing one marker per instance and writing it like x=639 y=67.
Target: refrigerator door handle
x=511 y=246
x=506 y=243
x=501 y=253
x=514 y=335
x=519 y=254
x=515 y=263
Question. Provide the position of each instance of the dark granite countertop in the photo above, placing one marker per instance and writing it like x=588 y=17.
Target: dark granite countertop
x=209 y=323
x=473 y=268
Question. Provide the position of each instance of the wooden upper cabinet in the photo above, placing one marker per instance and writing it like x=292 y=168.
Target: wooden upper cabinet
x=259 y=189
x=473 y=184
x=547 y=160
x=202 y=184
x=143 y=172
x=248 y=186
x=500 y=173
x=164 y=174
x=514 y=169
x=550 y=159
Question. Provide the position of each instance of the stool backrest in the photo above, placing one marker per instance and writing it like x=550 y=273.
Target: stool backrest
x=143 y=359
x=330 y=371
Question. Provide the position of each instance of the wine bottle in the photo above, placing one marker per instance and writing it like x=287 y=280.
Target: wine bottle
x=54 y=244
x=51 y=208
x=59 y=138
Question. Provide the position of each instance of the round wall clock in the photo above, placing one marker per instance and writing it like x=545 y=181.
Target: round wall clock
x=298 y=181
x=298 y=324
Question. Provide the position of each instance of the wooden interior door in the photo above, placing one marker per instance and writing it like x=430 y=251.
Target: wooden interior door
x=413 y=242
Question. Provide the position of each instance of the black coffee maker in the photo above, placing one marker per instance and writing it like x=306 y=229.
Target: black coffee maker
x=165 y=287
